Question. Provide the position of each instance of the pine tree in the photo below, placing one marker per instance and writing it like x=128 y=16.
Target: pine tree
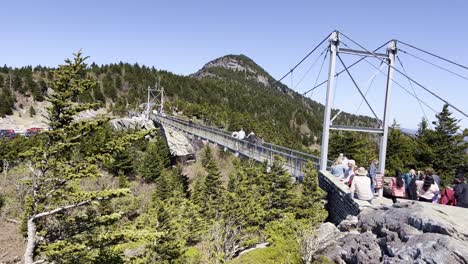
x=280 y=193
x=449 y=153
x=58 y=167
x=400 y=151
x=310 y=204
x=154 y=160
x=32 y=111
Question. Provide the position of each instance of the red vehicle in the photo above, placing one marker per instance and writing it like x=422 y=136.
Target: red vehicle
x=7 y=133
x=34 y=129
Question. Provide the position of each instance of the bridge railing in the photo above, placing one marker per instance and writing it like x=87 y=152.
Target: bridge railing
x=264 y=152
x=268 y=145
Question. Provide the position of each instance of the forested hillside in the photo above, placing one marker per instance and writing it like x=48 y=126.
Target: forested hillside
x=232 y=92
x=82 y=192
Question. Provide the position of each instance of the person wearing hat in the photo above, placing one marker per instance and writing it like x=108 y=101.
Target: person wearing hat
x=461 y=191
x=361 y=186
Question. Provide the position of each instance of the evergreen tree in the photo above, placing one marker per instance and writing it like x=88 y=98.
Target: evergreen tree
x=449 y=153
x=58 y=167
x=280 y=193
x=209 y=191
x=400 y=151
x=423 y=152
x=358 y=147
x=310 y=204
x=154 y=160
x=32 y=111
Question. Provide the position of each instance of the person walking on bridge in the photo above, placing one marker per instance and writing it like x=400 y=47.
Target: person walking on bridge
x=241 y=134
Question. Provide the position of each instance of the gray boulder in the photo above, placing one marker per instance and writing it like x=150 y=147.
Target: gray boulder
x=408 y=232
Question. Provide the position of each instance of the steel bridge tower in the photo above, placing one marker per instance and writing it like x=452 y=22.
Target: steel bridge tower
x=389 y=57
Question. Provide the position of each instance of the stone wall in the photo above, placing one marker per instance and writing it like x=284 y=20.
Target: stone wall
x=339 y=201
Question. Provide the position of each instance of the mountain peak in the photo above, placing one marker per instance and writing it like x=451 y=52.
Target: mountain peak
x=239 y=66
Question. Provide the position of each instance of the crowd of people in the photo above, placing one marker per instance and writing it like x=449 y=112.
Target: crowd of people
x=424 y=186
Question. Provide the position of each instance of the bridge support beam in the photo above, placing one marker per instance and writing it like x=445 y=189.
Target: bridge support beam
x=391 y=51
x=334 y=43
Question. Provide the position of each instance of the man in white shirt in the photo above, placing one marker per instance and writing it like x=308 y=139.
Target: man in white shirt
x=241 y=134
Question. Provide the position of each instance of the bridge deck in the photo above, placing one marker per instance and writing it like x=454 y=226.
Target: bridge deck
x=294 y=160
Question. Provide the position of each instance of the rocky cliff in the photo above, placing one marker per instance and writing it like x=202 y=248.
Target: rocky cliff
x=408 y=232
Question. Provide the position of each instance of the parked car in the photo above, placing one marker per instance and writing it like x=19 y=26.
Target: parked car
x=7 y=133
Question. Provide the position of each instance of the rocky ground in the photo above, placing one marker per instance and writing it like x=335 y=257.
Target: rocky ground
x=407 y=232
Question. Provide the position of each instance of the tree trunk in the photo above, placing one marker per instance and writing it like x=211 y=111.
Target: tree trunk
x=31 y=244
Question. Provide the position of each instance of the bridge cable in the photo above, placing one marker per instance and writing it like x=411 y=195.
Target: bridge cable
x=414 y=91
x=303 y=59
x=320 y=72
x=310 y=68
x=397 y=83
x=432 y=54
x=410 y=93
x=414 y=81
x=349 y=67
x=401 y=86
x=433 y=64
x=355 y=84
x=370 y=81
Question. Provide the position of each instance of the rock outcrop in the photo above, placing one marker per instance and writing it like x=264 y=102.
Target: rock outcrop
x=132 y=123
x=409 y=232
x=179 y=144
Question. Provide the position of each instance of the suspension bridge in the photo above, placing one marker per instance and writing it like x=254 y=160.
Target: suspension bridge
x=340 y=203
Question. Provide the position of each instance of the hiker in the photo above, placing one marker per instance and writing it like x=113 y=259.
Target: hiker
x=337 y=169
x=397 y=187
x=461 y=191
x=361 y=185
x=408 y=177
x=427 y=189
x=430 y=171
x=411 y=188
x=372 y=173
x=251 y=138
x=349 y=172
x=447 y=197
x=241 y=134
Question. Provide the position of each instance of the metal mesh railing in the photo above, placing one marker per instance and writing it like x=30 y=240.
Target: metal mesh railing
x=294 y=160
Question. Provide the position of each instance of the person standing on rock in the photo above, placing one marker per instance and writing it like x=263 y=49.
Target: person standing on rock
x=361 y=186
x=397 y=187
x=372 y=173
x=411 y=188
x=461 y=191
x=427 y=189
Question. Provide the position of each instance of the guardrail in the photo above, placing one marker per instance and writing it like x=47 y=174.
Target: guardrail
x=294 y=160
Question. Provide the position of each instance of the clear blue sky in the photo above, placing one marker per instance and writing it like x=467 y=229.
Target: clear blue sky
x=181 y=36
